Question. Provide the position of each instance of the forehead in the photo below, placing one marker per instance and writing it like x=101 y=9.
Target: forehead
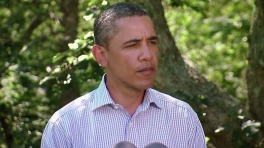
x=135 y=26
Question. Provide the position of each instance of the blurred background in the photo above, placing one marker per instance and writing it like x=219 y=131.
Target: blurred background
x=211 y=56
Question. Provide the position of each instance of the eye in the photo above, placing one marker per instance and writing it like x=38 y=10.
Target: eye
x=131 y=45
x=154 y=42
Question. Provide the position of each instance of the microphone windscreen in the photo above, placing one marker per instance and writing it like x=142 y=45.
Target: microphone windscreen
x=124 y=144
x=156 y=145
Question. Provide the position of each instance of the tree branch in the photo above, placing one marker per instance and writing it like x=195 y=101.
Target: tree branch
x=25 y=38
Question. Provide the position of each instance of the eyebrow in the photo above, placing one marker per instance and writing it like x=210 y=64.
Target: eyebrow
x=138 y=40
x=153 y=38
x=132 y=41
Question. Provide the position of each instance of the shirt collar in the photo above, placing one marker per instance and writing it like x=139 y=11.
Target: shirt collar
x=151 y=99
x=102 y=97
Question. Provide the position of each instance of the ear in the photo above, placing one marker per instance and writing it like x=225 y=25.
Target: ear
x=100 y=55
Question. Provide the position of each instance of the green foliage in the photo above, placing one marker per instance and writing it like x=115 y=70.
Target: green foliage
x=33 y=69
x=22 y=100
x=212 y=37
x=78 y=59
x=21 y=107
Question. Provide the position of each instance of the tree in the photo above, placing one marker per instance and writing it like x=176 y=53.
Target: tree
x=255 y=71
x=45 y=47
x=69 y=21
x=18 y=105
x=28 y=41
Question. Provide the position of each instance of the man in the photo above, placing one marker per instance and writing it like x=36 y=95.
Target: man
x=124 y=107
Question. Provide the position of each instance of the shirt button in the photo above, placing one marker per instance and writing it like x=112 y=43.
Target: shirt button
x=116 y=107
x=130 y=124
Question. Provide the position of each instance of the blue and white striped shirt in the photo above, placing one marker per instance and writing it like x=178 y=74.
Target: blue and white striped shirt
x=95 y=121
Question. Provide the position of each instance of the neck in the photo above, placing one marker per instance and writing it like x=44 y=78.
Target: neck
x=129 y=98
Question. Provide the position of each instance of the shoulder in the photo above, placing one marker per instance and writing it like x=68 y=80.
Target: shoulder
x=172 y=104
x=73 y=108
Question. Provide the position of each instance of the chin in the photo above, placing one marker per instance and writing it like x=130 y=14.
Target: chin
x=146 y=85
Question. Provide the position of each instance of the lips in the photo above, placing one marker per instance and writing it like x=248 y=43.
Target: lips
x=147 y=70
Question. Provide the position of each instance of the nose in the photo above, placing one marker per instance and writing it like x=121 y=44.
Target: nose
x=146 y=53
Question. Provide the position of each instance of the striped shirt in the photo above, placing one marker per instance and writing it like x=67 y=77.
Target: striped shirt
x=95 y=121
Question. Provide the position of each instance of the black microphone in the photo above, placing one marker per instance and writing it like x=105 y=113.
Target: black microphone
x=124 y=144
x=155 y=145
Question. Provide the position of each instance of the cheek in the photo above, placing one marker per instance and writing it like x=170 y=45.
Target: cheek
x=155 y=53
x=131 y=60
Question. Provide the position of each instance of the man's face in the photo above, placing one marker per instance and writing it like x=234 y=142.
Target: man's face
x=132 y=53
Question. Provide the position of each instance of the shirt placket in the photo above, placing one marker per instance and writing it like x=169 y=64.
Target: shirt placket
x=132 y=128
x=131 y=134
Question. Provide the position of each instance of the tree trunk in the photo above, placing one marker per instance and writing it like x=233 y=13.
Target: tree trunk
x=70 y=22
x=9 y=138
x=216 y=109
x=255 y=71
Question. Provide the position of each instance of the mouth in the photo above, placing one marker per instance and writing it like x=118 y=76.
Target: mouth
x=147 y=70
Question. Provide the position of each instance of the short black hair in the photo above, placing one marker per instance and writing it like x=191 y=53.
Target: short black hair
x=104 y=24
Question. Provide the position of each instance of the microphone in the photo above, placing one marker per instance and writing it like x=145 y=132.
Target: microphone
x=124 y=144
x=155 y=145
